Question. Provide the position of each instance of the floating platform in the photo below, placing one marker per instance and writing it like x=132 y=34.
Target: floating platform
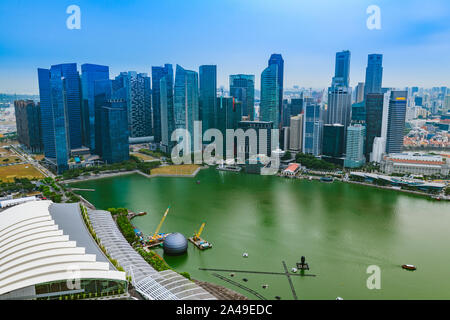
x=229 y=168
x=201 y=243
x=326 y=179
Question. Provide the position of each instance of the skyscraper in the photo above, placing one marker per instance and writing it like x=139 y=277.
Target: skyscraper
x=313 y=128
x=102 y=93
x=89 y=74
x=115 y=146
x=339 y=106
x=354 y=155
x=186 y=104
x=167 y=111
x=296 y=133
x=360 y=92
x=374 y=74
x=269 y=109
x=28 y=122
x=342 y=69
x=207 y=95
x=396 y=121
x=242 y=88
x=60 y=100
x=374 y=116
x=296 y=106
x=277 y=59
x=446 y=104
x=137 y=90
x=333 y=140
x=157 y=74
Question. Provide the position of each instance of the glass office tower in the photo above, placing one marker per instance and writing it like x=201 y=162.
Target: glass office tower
x=60 y=100
x=115 y=146
x=242 y=88
x=277 y=59
x=207 y=95
x=342 y=69
x=374 y=74
x=186 y=104
x=167 y=111
x=374 y=119
x=313 y=127
x=269 y=109
x=157 y=74
x=89 y=74
x=396 y=121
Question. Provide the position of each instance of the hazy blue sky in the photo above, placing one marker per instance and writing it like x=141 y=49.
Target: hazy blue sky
x=237 y=35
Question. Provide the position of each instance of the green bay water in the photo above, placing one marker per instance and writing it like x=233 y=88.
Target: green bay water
x=341 y=228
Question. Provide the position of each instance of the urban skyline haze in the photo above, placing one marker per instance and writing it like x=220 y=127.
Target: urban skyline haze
x=135 y=35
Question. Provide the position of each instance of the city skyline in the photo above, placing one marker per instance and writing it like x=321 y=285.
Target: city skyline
x=407 y=35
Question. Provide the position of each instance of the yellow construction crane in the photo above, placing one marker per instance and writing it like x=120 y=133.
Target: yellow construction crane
x=155 y=235
x=197 y=235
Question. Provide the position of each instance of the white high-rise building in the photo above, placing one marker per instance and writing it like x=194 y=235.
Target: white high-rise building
x=296 y=133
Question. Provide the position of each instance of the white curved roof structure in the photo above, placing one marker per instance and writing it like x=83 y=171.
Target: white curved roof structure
x=153 y=285
x=34 y=250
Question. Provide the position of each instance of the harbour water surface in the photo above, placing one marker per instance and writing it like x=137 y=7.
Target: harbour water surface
x=342 y=229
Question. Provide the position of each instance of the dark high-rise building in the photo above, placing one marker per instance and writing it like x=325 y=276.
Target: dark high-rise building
x=257 y=125
x=418 y=101
x=286 y=112
x=59 y=91
x=136 y=89
x=242 y=88
x=28 y=122
x=102 y=94
x=115 y=146
x=374 y=74
x=342 y=69
x=207 y=95
x=396 y=121
x=277 y=59
x=374 y=118
x=157 y=74
x=296 y=106
x=269 y=109
x=358 y=112
x=89 y=74
x=333 y=143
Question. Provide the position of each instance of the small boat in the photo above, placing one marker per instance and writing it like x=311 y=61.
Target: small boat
x=294 y=270
x=409 y=267
x=198 y=181
x=245 y=279
x=245 y=255
x=339 y=298
x=265 y=286
x=278 y=297
x=231 y=274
